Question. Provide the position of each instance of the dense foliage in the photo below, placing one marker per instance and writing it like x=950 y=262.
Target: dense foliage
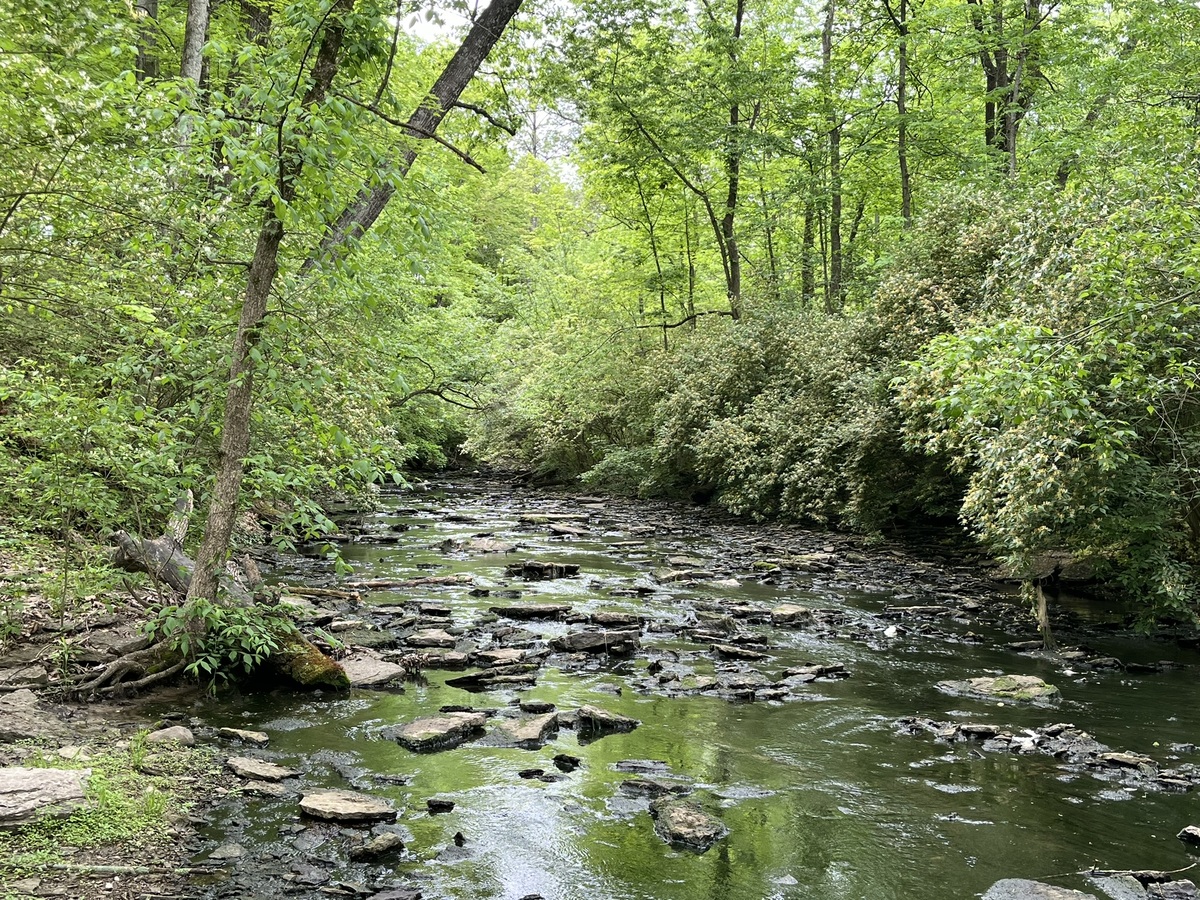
x=860 y=265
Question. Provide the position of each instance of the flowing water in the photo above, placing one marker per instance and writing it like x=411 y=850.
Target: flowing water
x=820 y=795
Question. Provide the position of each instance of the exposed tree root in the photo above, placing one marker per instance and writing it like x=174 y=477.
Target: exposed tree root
x=137 y=663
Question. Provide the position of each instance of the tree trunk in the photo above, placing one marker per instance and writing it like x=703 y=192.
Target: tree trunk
x=833 y=288
x=899 y=19
x=194 y=32
x=147 y=58
x=235 y=428
x=360 y=214
x=808 y=276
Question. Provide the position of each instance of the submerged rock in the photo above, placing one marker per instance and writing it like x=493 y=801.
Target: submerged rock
x=1018 y=688
x=27 y=794
x=684 y=823
x=439 y=732
x=1023 y=889
x=346 y=806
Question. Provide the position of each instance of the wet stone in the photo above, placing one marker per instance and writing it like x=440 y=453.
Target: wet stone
x=616 y=643
x=536 y=707
x=564 y=762
x=728 y=651
x=439 y=732
x=592 y=720
x=791 y=614
x=438 y=805
x=1190 y=835
x=684 y=823
x=504 y=657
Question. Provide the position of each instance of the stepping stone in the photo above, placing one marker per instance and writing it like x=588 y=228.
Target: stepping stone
x=1018 y=688
x=439 y=732
x=532 y=570
x=593 y=720
x=503 y=657
x=530 y=733
x=258 y=770
x=616 y=643
x=346 y=806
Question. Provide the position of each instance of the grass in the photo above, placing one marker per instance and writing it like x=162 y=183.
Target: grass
x=132 y=798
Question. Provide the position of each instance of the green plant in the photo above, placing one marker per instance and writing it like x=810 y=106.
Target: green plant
x=220 y=641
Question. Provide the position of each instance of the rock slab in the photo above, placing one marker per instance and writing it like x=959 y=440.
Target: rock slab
x=439 y=732
x=30 y=794
x=529 y=732
x=367 y=670
x=346 y=806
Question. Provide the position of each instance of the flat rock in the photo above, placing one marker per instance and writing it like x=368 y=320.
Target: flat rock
x=1023 y=889
x=368 y=670
x=28 y=675
x=432 y=637
x=502 y=657
x=346 y=806
x=728 y=651
x=1018 y=688
x=439 y=732
x=257 y=738
x=528 y=612
x=682 y=822
x=29 y=794
x=450 y=660
x=534 y=570
x=259 y=770
x=264 y=788
x=791 y=614
x=176 y=734
x=21 y=719
x=530 y=732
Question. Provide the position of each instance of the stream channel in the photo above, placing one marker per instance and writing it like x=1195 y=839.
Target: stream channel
x=821 y=794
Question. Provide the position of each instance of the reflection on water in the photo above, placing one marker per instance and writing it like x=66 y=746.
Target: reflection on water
x=821 y=799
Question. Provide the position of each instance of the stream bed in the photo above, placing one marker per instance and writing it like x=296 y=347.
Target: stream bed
x=820 y=792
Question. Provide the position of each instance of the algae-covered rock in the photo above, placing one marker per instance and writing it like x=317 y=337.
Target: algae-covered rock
x=684 y=823
x=1017 y=688
x=302 y=663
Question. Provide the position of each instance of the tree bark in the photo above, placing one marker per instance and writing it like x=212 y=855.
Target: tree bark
x=833 y=289
x=899 y=17
x=362 y=212
x=194 y=32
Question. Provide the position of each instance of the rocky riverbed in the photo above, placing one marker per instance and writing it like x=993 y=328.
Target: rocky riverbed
x=573 y=696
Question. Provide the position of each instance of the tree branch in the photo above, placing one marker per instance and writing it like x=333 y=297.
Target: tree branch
x=484 y=114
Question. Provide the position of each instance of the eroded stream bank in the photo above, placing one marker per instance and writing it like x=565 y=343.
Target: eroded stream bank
x=768 y=670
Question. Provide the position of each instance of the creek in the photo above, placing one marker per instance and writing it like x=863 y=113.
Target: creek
x=821 y=796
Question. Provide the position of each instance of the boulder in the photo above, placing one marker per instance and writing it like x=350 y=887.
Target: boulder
x=258 y=770
x=1190 y=835
x=176 y=734
x=346 y=806
x=684 y=823
x=1018 y=688
x=1023 y=889
x=30 y=794
x=439 y=732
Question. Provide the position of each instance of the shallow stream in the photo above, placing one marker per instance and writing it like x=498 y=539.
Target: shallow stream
x=822 y=798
